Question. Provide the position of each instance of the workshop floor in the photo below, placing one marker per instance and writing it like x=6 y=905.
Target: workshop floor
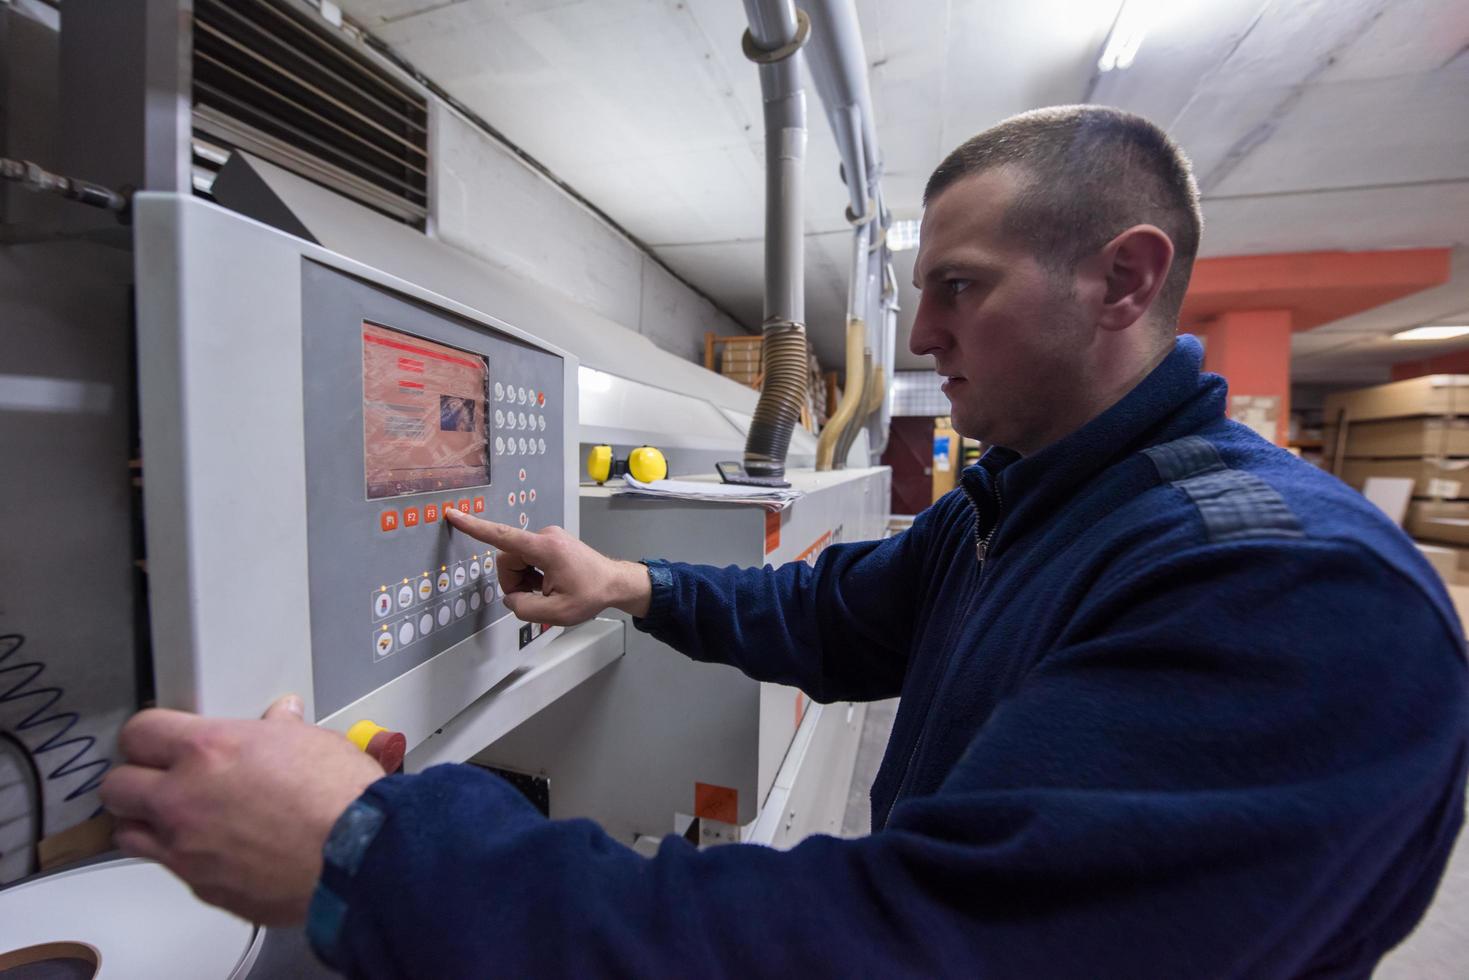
x=1438 y=950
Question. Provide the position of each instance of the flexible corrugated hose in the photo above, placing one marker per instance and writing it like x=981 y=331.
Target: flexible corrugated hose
x=786 y=366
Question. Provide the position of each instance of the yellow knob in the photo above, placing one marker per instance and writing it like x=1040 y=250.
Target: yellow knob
x=647 y=465
x=361 y=733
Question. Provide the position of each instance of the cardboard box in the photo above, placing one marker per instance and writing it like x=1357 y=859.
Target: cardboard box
x=1442 y=523
x=1402 y=437
x=1443 y=558
x=1433 y=394
x=1444 y=479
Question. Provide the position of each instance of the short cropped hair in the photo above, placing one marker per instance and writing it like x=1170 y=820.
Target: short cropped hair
x=1090 y=172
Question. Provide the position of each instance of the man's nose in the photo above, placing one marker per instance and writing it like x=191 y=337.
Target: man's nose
x=926 y=336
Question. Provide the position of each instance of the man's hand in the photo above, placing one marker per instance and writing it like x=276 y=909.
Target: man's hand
x=551 y=577
x=238 y=809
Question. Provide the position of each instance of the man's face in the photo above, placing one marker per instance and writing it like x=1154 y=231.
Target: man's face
x=1009 y=335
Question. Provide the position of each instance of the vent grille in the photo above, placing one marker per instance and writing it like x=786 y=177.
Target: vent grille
x=270 y=81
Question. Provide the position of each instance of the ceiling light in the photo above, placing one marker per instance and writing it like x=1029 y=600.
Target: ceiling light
x=1431 y=333
x=1134 y=19
x=903 y=235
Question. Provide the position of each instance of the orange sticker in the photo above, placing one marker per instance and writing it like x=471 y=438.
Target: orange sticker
x=772 y=530
x=716 y=803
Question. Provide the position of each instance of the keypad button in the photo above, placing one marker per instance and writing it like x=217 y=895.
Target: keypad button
x=522 y=474
x=388 y=520
x=510 y=446
x=459 y=607
x=405 y=596
x=474 y=570
x=425 y=624
x=523 y=423
x=474 y=600
x=521 y=442
x=463 y=505
x=523 y=519
x=430 y=513
x=532 y=494
x=489 y=594
x=425 y=588
x=383 y=643
x=541 y=422
x=479 y=505
x=444 y=614
x=458 y=576
x=499 y=391
x=499 y=419
x=444 y=581
x=541 y=444
x=410 y=517
x=382 y=604
x=540 y=398
x=520 y=395
x=405 y=633
x=499 y=446
x=522 y=496
x=510 y=498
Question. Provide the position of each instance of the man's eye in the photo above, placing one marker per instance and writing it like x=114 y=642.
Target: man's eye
x=957 y=286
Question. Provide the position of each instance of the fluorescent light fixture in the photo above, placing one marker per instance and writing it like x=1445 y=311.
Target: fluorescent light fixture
x=1134 y=19
x=903 y=235
x=1431 y=333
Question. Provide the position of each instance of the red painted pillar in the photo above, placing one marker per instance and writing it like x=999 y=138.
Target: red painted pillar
x=1251 y=348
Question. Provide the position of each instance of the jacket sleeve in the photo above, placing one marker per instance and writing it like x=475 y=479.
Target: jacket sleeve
x=1262 y=786
x=838 y=630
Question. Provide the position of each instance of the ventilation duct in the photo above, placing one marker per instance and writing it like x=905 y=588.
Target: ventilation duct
x=269 y=80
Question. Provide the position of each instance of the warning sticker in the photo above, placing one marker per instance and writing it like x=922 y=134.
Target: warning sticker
x=423 y=414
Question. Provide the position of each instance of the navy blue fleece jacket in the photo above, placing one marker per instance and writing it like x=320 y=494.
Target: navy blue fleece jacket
x=1174 y=704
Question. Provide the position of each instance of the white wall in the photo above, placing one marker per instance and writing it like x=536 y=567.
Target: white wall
x=491 y=204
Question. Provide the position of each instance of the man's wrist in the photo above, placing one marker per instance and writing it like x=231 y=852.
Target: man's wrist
x=635 y=589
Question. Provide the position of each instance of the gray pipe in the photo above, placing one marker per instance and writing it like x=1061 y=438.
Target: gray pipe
x=838 y=63
x=773 y=42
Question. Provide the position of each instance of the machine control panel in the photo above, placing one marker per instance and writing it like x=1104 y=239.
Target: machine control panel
x=410 y=411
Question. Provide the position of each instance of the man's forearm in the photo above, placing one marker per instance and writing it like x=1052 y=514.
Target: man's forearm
x=631 y=588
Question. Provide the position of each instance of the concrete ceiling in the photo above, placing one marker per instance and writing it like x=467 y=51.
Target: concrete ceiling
x=1313 y=125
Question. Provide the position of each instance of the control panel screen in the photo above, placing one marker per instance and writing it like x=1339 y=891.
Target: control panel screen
x=423 y=413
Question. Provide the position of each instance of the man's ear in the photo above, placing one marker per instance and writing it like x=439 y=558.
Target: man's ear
x=1136 y=265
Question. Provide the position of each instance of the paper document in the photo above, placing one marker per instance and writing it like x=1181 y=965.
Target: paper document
x=771 y=498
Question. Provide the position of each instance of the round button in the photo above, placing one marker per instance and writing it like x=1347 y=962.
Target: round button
x=541 y=422
x=459 y=608
x=499 y=446
x=522 y=445
x=489 y=594
x=444 y=614
x=510 y=446
x=458 y=576
x=405 y=633
x=473 y=570
x=532 y=447
x=522 y=496
x=405 y=596
x=523 y=423
x=520 y=395
x=425 y=588
x=474 y=600
x=443 y=581
x=382 y=604
x=499 y=391
x=533 y=495
x=541 y=443
x=540 y=398
x=510 y=498
x=522 y=474
x=524 y=520
x=499 y=418
x=425 y=623
x=511 y=421
x=383 y=643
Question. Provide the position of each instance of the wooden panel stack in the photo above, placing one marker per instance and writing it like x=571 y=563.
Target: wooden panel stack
x=737 y=358
x=1416 y=429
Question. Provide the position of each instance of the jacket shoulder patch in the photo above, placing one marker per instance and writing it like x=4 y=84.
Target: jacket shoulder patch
x=1234 y=505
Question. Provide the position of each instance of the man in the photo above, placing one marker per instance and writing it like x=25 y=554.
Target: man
x=1173 y=702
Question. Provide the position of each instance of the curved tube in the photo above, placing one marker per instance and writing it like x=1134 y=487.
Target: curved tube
x=846 y=413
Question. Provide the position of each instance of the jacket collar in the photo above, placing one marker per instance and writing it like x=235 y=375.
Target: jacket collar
x=1174 y=400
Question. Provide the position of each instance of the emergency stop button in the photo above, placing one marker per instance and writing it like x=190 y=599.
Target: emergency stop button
x=388 y=748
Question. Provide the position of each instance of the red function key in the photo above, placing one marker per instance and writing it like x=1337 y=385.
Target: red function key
x=410 y=516
x=430 y=513
x=479 y=505
x=463 y=505
x=388 y=520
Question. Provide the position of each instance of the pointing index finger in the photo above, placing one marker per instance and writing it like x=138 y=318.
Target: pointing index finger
x=502 y=536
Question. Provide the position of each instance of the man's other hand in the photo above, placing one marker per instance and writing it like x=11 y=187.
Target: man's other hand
x=551 y=577
x=238 y=809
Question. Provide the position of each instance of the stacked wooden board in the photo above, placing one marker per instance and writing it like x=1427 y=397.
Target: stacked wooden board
x=1418 y=430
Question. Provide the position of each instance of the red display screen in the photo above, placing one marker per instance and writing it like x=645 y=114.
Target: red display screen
x=423 y=414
